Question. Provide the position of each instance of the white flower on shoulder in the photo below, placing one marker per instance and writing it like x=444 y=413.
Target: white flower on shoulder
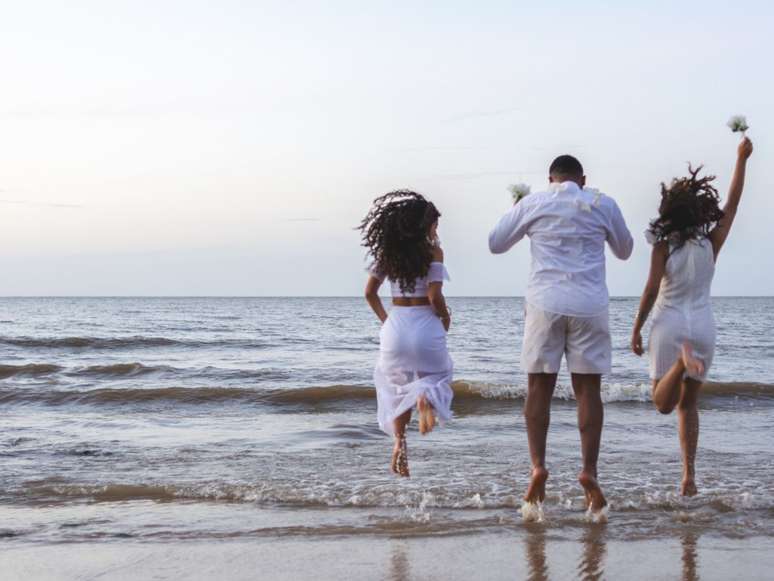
x=650 y=238
x=738 y=123
x=556 y=186
x=583 y=205
x=519 y=192
x=597 y=195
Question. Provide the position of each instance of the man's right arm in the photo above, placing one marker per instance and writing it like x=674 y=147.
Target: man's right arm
x=509 y=230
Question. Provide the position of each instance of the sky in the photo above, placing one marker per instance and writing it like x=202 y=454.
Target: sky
x=230 y=148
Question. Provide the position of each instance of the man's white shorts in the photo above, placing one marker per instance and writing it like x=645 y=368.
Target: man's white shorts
x=584 y=340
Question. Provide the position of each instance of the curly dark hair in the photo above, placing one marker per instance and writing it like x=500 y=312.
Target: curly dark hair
x=689 y=209
x=395 y=233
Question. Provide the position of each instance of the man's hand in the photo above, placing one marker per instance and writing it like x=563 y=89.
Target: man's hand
x=745 y=149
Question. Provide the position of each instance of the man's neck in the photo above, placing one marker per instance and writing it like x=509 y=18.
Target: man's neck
x=563 y=179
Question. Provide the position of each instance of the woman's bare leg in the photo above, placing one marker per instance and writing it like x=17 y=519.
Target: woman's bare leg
x=688 y=429
x=399 y=464
x=426 y=415
x=668 y=389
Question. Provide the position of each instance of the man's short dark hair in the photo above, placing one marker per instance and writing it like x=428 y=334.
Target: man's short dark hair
x=566 y=165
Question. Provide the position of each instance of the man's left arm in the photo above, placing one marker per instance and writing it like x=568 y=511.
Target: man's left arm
x=618 y=236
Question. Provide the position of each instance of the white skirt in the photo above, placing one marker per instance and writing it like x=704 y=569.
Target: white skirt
x=413 y=361
x=671 y=328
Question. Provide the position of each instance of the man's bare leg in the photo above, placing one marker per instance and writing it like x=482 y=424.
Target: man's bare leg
x=537 y=413
x=590 y=418
x=688 y=429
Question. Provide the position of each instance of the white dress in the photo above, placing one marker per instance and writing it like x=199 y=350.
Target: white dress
x=683 y=311
x=413 y=358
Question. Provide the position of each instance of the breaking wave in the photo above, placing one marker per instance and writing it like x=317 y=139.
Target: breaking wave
x=464 y=392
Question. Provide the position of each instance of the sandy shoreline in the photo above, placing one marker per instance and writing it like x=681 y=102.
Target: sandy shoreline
x=532 y=553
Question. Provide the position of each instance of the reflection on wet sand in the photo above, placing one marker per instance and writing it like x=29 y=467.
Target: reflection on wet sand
x=535 y=545
x=400 y=568
x=690 y=556
x=591 y=565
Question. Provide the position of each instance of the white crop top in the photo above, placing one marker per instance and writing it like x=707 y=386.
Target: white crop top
x=436 y=273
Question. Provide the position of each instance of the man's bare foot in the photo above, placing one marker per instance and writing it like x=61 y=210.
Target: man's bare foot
x=688 y=487
x=426 y=415
x=536 y=491
x=399 y=463
x=595 y=500
x=693 y=366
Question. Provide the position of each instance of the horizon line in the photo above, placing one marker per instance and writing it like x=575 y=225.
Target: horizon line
x=612 y=297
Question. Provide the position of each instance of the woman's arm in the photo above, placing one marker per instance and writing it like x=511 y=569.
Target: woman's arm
x=435 y=294
x=720 y=232
x=658 y=260
x=373 y=298
x=438 y=302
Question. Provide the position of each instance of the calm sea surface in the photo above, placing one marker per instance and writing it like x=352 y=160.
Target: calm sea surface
x=214 y=418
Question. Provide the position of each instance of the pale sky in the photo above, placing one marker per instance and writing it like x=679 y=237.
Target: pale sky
x=229 y=148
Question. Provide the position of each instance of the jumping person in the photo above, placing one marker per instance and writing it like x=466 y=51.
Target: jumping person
x=687 y=236
x=566 y=311
x=414 y=368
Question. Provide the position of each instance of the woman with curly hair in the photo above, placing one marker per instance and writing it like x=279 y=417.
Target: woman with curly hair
x=687 y=237
x=414 y=368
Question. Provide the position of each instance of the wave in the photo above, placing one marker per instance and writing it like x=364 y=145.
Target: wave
x=135 y=341
x=29 y=369
x=136 y=369
x=119 y=370
x=418 y=500
x=466 y=394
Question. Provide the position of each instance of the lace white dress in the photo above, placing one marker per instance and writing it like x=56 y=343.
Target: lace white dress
x=683 y=311
x=413 y=358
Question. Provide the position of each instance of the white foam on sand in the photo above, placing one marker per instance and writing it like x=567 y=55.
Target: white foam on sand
x=532 y=512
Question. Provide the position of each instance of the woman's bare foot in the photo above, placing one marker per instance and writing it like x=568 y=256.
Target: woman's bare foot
x=595 y=500
x=426 y=415
x=536 y=491
x=399 y=463
x=693 y=366
x=688 y=487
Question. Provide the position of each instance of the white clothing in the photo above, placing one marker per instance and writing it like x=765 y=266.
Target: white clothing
x=436 y=273
x=413 y=358
x=584 y=340
x=683 y=311
x=568 y=228
x=413 y=361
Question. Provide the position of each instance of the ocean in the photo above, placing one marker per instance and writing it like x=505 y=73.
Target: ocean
x=219 y=421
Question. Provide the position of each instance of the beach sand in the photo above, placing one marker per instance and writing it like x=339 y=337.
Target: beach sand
x=527 y=554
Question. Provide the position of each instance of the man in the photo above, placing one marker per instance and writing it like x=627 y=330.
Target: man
x=566 y=309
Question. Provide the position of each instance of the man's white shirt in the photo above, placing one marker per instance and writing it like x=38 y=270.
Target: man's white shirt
x=568 y=228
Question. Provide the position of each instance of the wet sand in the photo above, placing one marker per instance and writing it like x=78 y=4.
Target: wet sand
x=528 y=554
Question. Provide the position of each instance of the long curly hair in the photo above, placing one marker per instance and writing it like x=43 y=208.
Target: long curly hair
x=689 y=209
x=395 y=231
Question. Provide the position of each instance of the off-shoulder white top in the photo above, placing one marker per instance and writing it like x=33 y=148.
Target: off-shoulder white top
x=436 y=273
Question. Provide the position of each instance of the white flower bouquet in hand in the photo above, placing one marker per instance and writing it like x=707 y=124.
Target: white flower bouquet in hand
x=738 y=124
x=518 y=192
